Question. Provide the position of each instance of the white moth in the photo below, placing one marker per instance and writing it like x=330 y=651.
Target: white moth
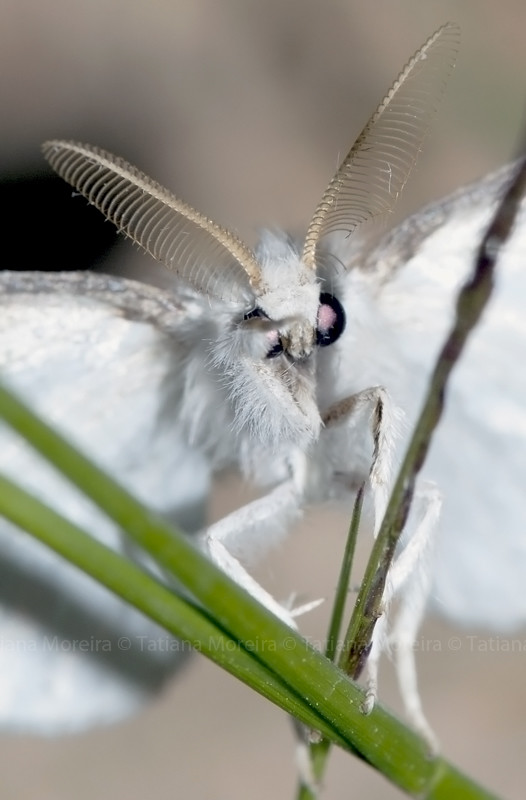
x=290 y=364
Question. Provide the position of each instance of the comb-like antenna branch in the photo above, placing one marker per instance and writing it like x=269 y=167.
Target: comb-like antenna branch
x=208 y=257
x=371 y=177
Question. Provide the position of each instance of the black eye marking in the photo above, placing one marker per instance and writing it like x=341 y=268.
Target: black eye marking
x=331 y=320
x=276 y=347
x=256 y=312
x=276 y=350
x=330 y=324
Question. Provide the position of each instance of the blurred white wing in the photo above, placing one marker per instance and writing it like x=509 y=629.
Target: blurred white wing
x=94 y=355
x=478 y=458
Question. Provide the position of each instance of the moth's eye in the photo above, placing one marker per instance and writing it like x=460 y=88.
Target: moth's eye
x=256 y=312
x=275 y=346
x=331 y=320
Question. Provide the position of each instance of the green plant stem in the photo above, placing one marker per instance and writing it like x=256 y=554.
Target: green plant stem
x=471 y=302
x=176 y=614
x=317 y=761
x=342 y=588
x=381 y=739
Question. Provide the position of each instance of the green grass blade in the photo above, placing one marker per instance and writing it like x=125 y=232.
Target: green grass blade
x=157 y=601
x=380 y=738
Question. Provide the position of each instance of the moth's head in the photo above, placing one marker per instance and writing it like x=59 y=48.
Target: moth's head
x=290 y=309
x=266 y=355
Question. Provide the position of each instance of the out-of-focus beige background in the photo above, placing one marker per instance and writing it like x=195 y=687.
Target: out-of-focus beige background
x=244 y=108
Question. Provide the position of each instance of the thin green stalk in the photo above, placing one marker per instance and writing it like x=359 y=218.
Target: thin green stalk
x=342 y=588
x=381 y=739
x=136 y=586
x=471 y=301
x=319 y=750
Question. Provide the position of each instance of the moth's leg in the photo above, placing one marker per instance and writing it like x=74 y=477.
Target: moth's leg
x=246 y=528
x=409 y=581
x=384 y=419
x=260 y=520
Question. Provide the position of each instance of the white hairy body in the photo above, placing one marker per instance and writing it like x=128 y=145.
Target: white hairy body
x=107 y=360
x=165 y=388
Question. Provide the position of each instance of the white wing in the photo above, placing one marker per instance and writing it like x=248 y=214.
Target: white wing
x=94 y=355
x=478 y=457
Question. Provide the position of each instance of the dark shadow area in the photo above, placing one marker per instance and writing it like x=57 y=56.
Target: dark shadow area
x=48 y=227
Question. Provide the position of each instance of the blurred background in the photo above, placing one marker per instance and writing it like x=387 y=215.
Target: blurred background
x=243 y=108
